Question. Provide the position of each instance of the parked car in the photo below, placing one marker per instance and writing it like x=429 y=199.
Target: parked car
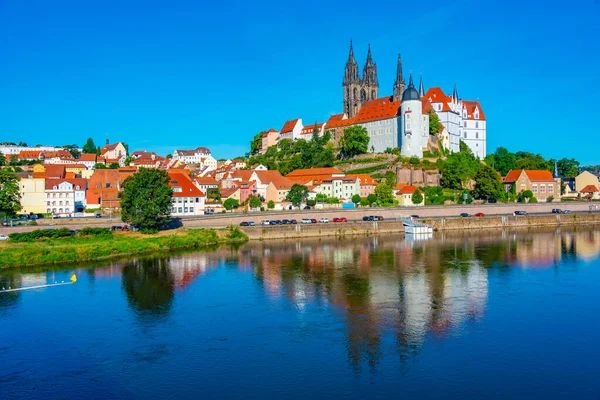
x=379 y=218
x=307 y=207
x=265 y=222
x=293 y=222
x=251 y=223
x=98 y=215
x=275 y=222
x=465 y=215
x=324 y=220
x=286 y=222
x=313 y=221
x=414 y=216
x=116 y=228
x=342 y=219
x=567 y=212
x=244 y=223
x=480 y=214
x=520 y=213
x=4 y=237
x=134 y=228
x=306 y=221
x=367 y=218
x=557 y=211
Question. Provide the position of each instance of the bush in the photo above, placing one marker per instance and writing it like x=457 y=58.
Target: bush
x=235 y=234
x=271 y=204
x=311 y=203
x=550 y=199
x=96 y=232
x=333 y=200
x=40 y=234
x=414 y=160
x=533 y=200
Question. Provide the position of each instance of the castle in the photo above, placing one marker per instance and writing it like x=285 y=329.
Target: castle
x=400 y=120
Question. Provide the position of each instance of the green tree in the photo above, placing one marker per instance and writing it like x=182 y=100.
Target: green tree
x=146 y=199
x=502 y=160
x=2 y=159
x=89 y=147
x=271 y=204
x=487 y=184
x=311 y=203
x=10 y=197
x=100 y=166
x=384 y=194
x=435 y=126
x=255 y=202
x=114 y=165
x=129 y=160
x=417 y=197
x=256 y=143
x=356 y=199
x=297 y=194
x=230 y=204
x=371 y=199
x=459 y=168
x=169 y=155
x=364 y=201
x=354 y=141
x=568 y=167
x=73 y=149
x=390 y=178
x=321 y=198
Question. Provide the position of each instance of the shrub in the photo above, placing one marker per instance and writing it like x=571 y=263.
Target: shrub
x=414 y=160
x=550 y=199
x=271 y=204
x=95 y=232
x=235 y=234
x=40 y=234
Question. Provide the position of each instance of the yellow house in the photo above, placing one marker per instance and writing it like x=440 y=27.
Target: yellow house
x=77 y=169
x=405 y=196
x=585 y=179
x=39 y=168
x=33 y=195
x=116 y=150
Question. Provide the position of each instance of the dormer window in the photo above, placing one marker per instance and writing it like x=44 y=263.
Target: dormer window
x=54 y=188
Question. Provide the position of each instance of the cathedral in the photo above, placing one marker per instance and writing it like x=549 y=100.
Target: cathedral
x=357 y=91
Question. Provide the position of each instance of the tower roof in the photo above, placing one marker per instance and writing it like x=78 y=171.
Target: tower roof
x=399 y=78
x=411 y=92
x=455 y=93
x=421 y=88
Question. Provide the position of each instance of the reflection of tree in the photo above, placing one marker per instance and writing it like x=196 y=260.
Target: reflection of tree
x=11 y=299
x=149 y=285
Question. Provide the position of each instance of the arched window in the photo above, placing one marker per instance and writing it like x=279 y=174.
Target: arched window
x=363 y=96
x=355 y=93
x=372 y=95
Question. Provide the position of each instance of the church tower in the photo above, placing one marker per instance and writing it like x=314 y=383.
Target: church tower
x=369 y=79
x=399 y=82
x=351 y=85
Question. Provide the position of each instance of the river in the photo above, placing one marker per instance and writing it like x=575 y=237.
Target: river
x=459 y=315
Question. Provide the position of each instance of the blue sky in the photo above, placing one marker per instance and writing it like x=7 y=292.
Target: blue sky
x=166 y=75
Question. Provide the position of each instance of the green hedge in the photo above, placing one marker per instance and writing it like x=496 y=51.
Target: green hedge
x=40 y=234
x=96 y=232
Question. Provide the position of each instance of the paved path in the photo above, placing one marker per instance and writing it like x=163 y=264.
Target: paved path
x=223 y=220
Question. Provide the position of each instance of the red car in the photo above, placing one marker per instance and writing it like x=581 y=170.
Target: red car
x=480 y=214
x=342 y=219
x=313 y=221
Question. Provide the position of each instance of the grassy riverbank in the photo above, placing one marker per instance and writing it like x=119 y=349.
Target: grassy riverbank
x=89 y=248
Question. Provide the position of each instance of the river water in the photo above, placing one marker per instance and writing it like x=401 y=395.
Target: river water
x=465 y=315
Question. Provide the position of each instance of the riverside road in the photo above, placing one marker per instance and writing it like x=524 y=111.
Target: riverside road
x=352 y=215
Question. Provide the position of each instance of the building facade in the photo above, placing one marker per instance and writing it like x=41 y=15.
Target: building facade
x=358 y=91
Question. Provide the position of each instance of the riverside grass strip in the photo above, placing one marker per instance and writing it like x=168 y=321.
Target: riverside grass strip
x=89 y=248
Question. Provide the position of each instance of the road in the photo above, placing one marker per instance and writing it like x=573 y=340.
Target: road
x=223 y=220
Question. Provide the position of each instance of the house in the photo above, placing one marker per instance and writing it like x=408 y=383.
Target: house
x=65 y=196
x=230 y=193
x=380 y=117
x=337 y=125
x=192 y=156
x=291 y=130
x=307 y=132
x=206 y=183
x=33 y=195
x=268 y=185
x=585 y=179
x=405 y=194
x=541 y=183
x=114 y=151
x=187 y=199
x=590 y=192
x=367 y=184
x=103 y=189
x=328 y=181
x=89 y=160
x=269 y=138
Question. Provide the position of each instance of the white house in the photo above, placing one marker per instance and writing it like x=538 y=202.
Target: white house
x=187 y=199
x=192 y=156
x=65 y=196
x=291 y=130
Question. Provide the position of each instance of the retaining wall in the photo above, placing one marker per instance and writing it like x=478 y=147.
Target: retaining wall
x=520 y=221
x=319 y=230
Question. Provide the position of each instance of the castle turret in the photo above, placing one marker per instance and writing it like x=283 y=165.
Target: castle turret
x=421 y=88
x=399 y=82
x=411 y=111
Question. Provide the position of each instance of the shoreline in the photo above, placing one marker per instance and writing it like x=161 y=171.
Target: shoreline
x=88 y=249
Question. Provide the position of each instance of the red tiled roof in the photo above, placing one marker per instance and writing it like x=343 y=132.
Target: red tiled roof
x=55 y=170
x=63 y=154
x=364 y=179
x=470 y=105
x=378 y=109
x=266 y=133
x=337 y=117
x=226 y=192
x=188 y=189
x=410 y=189
x=589 y=189
x=309 y=129
x=533 y=175
x=206 y=180
x=426 y=106
x=87 y=157
x=28 y=154
x=289 y=126
x=436 y=95
x=75 y=166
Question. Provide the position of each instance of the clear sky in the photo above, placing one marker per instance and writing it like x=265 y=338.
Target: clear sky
x=161 y=75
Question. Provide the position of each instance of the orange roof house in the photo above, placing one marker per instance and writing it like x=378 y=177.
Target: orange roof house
x=378 y=109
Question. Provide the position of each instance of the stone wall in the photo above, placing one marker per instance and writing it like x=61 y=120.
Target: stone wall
x=417 y=177
x=322 y=230
x=521 y=221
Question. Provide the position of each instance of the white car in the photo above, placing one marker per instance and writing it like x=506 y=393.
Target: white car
x=306 y=221
x=265 y=222
x=4 y=237
x=324 y=220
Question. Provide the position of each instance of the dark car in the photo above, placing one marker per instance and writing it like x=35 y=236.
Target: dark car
x=379 y=218
x=556 y=211
x=244 y=223
x=293 y=222
x=307 y=207
x=72 y=232
x=414 y=216
x=98 y=215
x=251 y=223
x=125 y=228
x=368 y=218
x=520 y=213
x=286 y=222
x=116 y=228
x=465 y=215
x=274 y=222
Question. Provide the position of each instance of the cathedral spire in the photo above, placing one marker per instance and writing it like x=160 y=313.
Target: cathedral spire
x=351 y=55
x=421 y=88
x=399 y=82
x=369 y=58
x=410 y=81
x=455 y=94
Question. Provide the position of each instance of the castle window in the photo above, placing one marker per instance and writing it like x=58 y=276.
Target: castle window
x=476 y=124
x=476 y=135
x=465 y=135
